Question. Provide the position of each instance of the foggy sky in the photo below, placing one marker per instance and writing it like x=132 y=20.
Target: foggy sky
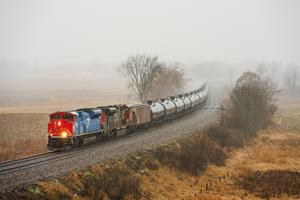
x=67 y=31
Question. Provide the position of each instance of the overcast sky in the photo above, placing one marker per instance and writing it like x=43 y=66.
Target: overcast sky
x=68 y=31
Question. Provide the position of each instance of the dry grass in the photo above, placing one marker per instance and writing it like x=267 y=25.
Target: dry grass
x=22 y=135
x=272 y=150
x=288 y=115
x=225 y=137
x=191 y=154
x=111 y=181
x=272 y=183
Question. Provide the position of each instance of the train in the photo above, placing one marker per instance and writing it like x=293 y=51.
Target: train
x=69 y=129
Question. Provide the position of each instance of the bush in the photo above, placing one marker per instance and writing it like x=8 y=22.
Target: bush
x=191 y=154
x=116 y=181
x=229 y=138
x=251 y=104
x=141 y=161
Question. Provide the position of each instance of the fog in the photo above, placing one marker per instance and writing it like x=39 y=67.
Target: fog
x=63 y=45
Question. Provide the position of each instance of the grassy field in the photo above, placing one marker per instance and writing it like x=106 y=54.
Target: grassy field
x=272 y=150
x=288 y=115
x=22 y=134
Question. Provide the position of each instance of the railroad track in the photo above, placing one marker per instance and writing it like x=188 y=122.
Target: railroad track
x=30 y=169
x=46 y=158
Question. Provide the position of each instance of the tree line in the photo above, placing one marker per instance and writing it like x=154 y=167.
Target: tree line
x=288 y=76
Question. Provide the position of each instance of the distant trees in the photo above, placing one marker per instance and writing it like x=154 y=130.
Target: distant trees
x=169 y=81
x=251 y=104
x=140 y=71
x=268 y=69
x=291 y=75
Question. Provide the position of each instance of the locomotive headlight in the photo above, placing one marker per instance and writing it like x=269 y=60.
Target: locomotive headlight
x=59 y=123
x=64 y=134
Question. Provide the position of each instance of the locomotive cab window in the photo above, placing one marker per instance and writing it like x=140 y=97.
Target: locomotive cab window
x=55 y=116
x=67 y=116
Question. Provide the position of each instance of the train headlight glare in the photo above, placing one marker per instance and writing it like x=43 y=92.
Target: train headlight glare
x=64 y=134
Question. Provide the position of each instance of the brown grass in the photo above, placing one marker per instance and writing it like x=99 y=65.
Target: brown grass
x=267 y=152
x=22 y=135
x=111 y=181
x=191 y=154
x=288 y=115
x=272 y=183
x=225 y=137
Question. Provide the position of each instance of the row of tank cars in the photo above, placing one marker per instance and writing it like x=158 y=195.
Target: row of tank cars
x=70 y=128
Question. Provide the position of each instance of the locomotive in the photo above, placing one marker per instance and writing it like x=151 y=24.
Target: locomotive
x=70 y=128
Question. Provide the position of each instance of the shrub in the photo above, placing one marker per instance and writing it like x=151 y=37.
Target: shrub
x=225 y=137
x=115 y=181
x=191 y=154
x=251 y=104
x=142 y=160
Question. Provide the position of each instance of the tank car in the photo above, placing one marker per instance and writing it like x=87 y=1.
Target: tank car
x=157 y=110
x=187 y=102
x=179 y=105
x=170 y=107
x=195 y=100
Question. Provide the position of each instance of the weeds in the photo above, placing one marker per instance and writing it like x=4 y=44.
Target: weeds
x=272 y=183
x=115 y=181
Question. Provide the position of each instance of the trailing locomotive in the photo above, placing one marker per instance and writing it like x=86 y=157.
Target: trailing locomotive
x=71 y=128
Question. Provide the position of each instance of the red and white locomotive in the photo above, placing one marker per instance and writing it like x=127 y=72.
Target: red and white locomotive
x=70 y=128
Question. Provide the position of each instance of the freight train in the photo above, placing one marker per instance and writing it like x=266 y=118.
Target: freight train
x=69 y=129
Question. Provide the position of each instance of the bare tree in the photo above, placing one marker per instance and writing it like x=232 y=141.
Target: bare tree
x=290 y=77
x=251 y=104
x=170 y=81
x=140 y=71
